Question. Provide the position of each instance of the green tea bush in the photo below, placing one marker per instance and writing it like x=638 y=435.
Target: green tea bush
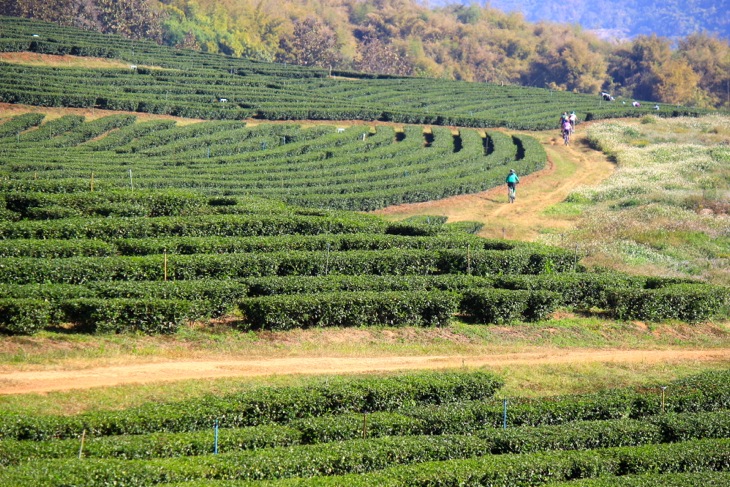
x=692 y=303
x=537 y=469
x=149 y=316
x=702 y=393
x=208 y=297
x=687 y=479
x=326 y=243
x=77 y=270
x=520 y=260
x=55 y=248
x=20 y=123
x=577 y=289
x=52 y=128
x=444 y=460
x=154 y=445
x=24 y=316
x=577 y=435
x=210 y=226
x=504 y=307
x=348 y=309
x=267 y=286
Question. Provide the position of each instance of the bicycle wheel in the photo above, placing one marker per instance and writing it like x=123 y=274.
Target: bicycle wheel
x=511 y=194
x=566 y=137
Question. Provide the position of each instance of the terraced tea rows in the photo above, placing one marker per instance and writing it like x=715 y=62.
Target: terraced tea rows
x=191 y=84
x=439 y=428
x=133 y=260
x=360 y=168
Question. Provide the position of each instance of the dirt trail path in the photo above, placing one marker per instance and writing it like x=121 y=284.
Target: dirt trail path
x=63 y=380
x=567 y=168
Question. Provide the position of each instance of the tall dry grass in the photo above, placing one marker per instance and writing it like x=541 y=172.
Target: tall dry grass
x=665 y=211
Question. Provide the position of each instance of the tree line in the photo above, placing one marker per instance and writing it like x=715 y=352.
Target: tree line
x=404 y=37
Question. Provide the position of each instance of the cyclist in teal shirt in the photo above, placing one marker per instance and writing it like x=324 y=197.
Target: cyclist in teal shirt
x=512 y=181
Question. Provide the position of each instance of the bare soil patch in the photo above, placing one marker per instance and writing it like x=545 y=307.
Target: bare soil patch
x=62 y=380
x=66 y=61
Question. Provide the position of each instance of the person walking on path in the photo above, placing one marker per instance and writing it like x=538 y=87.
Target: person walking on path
x=512 y=182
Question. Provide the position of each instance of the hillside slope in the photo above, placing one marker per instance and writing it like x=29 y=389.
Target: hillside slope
x=628 y=18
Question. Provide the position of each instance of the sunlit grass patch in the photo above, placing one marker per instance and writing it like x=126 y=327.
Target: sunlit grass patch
x=665 y=207
x=565 y=209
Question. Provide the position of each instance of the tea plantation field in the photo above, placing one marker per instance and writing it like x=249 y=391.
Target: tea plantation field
x=358 y=168
x=113 y=260
x=119 y=227
x=191 y=84
x=426 y=429
x=111 y=226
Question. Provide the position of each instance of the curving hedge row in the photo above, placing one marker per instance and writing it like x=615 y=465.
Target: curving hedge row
x=531 y=421
x=278 y=285
x=262 y=405
x=77 y=270
x=52 y=128
x=90 y=130
x=444 y=460
x=60 y=248
x=356 y=169
x=578 y=435
x=115 y=202
x=14 y=126
x=335 y=300
x=193 y=81
x=211 y=225
x=535 y=469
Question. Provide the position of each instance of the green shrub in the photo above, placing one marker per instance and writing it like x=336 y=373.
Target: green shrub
x=20 y=123
x=687 y=479
x=154 y=445
x=687 y=302
x=150 y=316
x=24 y=316
x=266 y=286
x=504 y=307
x=208 y=297
x=577 y=289
x=578 y=435
x=702 y=393
x=349 y=309
x=442 y=461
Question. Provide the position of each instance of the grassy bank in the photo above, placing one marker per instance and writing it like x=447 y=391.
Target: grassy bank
x=665 y=210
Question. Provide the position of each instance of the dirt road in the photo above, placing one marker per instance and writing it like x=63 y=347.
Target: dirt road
x=62 y=380
x=567 y=168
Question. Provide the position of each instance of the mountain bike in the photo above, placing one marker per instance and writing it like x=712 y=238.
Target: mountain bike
x=511 y=194
x=566 y=137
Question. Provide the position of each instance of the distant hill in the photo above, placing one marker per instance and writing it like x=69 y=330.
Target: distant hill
x=623 y=18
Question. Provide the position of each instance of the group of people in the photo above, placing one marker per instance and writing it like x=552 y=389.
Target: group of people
x=567 y=123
